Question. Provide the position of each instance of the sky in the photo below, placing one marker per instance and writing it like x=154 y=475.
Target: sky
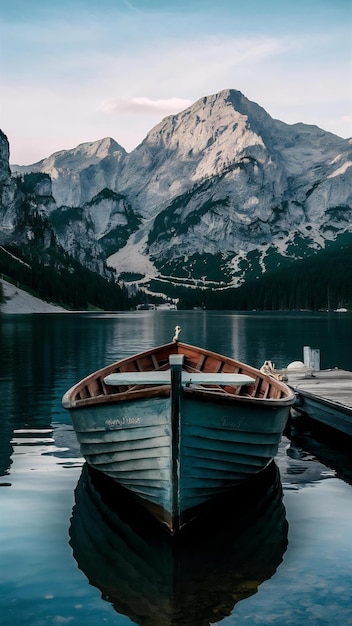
x=73 y=71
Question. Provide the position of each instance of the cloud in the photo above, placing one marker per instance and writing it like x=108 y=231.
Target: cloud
x=119 y=73
x=347 y=119
x=144 y=106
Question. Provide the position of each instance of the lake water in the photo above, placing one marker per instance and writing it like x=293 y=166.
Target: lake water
x=69 y=556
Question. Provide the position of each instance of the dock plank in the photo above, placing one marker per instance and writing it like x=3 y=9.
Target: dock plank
x=334 y=385
x=325 y=395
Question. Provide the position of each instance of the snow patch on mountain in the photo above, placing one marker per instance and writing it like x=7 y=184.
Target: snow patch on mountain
x=20 y=302
x=133 y=259
x=341 y=170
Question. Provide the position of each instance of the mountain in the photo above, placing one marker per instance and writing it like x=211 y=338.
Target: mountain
x=32 y=257
x=71 y=171
x=213 y=196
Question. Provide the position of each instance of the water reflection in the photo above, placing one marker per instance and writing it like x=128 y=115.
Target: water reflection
x=334 y=453
x=196 y=580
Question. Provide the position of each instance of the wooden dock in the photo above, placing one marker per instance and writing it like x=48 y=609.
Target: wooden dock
x=323 y=395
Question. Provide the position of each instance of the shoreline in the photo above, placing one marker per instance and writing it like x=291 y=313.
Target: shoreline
x=19 y=301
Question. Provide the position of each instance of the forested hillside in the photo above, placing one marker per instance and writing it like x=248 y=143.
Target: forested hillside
x=321 y=282
x=58 y=278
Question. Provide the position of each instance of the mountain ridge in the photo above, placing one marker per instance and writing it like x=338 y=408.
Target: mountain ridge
x=216 y=190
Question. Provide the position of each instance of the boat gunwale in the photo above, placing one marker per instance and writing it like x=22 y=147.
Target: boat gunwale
x=70 y=401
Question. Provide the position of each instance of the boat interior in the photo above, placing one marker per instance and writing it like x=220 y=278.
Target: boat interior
x=196 y=360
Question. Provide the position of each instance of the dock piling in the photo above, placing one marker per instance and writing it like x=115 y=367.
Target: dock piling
x=311 y=357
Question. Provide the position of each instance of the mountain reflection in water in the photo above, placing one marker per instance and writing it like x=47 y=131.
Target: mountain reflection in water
x=194 y=579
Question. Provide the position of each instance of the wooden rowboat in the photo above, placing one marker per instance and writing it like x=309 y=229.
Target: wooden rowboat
x=178 y=426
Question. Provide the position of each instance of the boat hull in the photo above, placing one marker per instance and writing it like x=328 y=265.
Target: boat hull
x=219 y=445
x=178 y=426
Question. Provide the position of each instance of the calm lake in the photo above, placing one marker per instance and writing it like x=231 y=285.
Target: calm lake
x=68 y=555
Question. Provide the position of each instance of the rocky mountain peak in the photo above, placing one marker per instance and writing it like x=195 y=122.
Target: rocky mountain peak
x=68 y=170
x=4 y=158
x=218 y=190
x=210 y=123
x=8 y=189
x=196 y=144
x=78 y=158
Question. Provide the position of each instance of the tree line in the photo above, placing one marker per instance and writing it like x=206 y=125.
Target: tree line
x=62 y=280
x=322 y=281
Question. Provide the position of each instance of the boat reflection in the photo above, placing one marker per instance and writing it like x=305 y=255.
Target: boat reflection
x=194 y=579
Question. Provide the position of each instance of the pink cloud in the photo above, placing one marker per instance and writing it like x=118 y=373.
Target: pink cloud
x=143 y=105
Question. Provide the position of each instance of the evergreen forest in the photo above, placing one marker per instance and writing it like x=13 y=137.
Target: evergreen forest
x=322 y=281
x=60 y=279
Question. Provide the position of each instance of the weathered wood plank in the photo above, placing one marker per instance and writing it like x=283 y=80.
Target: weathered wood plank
x=325 y=396
x=334 y=385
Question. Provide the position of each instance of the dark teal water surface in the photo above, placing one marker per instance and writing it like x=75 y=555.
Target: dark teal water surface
x=68 y=555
